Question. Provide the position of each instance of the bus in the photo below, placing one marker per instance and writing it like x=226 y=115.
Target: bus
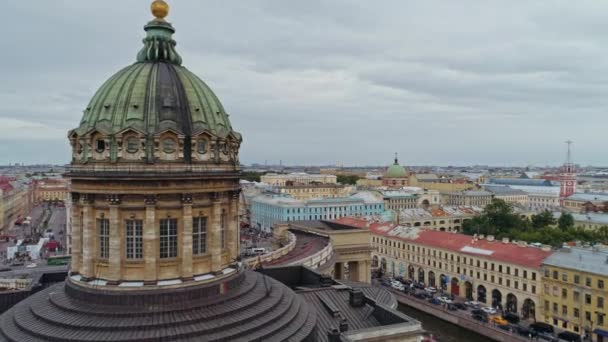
x=58 y=260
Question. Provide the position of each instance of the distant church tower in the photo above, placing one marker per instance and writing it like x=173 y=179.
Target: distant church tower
x=567 y=177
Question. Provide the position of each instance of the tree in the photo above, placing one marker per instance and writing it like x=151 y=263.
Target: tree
x=348 y=179
x=543 y=219
x=251 y=176
x=565 y=221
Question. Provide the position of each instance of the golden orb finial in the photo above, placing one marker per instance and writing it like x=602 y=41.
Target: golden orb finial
x=159 y=9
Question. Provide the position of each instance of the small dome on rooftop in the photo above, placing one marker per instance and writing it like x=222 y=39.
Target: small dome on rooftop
x=396 y=170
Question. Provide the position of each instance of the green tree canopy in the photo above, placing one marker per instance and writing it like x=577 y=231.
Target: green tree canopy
x=565 y=221
x=348 y=179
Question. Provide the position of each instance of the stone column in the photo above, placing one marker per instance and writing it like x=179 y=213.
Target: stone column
x=364 y=272
x=232 y=233
x=215 y=237
x=114 y=274
x=88 y=239
x=186 y=269
x=338 y=271
x=150 y=242
x=353 y=270
x=76 y=234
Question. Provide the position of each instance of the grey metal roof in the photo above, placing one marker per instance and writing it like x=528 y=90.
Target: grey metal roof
x=501 y=190
x=521 y=181
x=583 y=259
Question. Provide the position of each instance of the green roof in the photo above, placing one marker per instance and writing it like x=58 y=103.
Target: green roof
x=396 y=171
x=156 y=94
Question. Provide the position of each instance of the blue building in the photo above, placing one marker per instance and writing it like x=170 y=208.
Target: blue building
x=268 y=209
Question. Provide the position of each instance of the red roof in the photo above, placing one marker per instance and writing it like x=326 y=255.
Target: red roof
x=351 y=221
x=494 y=250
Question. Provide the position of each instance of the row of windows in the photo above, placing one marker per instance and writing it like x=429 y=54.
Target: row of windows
x=575 y=312
x=577 y=279
x=450 y=256
x=168 y=237
x=576 y=296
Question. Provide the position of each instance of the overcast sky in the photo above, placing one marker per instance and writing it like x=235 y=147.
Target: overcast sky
x=440 y=82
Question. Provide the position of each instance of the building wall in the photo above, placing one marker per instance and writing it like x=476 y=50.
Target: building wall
x=300 y=178
x=316 y=191
x=521 y=199
x=460 y=199
x=543 y=201
x=264 y=213
x=569 y=303
x=401 y=257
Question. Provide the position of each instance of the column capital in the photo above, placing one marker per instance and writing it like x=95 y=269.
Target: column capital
x=87 y=199
x=150 y=200
x=187 y=198
x=215 y=196
x=114 y=199
x=235 y=193
x=75 y=197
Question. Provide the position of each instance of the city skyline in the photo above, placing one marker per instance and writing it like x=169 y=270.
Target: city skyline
x=479 y=83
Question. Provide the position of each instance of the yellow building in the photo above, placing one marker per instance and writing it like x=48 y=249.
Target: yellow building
x=434 y=182
x=52 y=190
x=276 y=179
x=575 y=291
x=496 y=273
x=311 y=191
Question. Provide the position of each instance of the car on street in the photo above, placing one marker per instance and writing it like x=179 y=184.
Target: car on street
x=481 y=318
x=444 y=300
x=430 y=289
x=31 y=265
x=472 y=304
x=460 y=306
x=419 y=285
x=385 y=282
x=547 y=337
x=511 y=317
x=489 y=310
x=434 y=301
x=523 y=331
x=397 y=286
x=541 y=327
x=499 y=320
x=452 y=307
x=569 y=336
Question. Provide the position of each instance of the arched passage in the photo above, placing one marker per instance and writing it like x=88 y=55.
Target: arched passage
x=425 y=203
x=393 y=268
x=432 y=278
x=481 y=294
x=443 y=282
x=420 y=275
x=442 y=229
x=455 y=287
x=496 y=298
x=528 y=309
x=375 y=261
x=468 y=290
x=383 y=265
x=511 y=303
x=411 y=272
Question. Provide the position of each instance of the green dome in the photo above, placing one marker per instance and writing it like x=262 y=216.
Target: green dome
x=396 y=171
x=156 y=94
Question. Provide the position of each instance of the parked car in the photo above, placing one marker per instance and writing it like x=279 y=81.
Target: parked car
x=444 y=300
x=385 y=282
x=523 y=331
x=478 y=312
x=452 y=307
x=460 y=306
x=419 y=285
x=511 y=317
x=569 y=336
x=431 y=289
x=541 y=327
x=420 y=295
x=547 y=337
x=489 y=310
x=398 y=286
x=499 y=320
x=434 y=301
x=472 y=304
x=481 y=318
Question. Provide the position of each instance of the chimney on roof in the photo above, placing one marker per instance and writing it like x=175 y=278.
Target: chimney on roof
x=356 y=298
x=343 y=325
x=505 y=240
x=490 y=238
x=481 y=237
x=333 y=335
